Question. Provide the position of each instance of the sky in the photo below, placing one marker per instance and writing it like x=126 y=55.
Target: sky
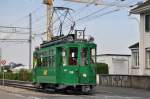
x=113 y=32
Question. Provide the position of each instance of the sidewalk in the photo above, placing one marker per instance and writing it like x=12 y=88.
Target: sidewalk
x=123 y=91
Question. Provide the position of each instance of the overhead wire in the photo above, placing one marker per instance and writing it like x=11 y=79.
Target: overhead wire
x=77 y=13
x=42 y=17
x=19 y=21
x=13 y=27
x=93 y=13
x=80 y=19
x=14 y=32
x=27 y=16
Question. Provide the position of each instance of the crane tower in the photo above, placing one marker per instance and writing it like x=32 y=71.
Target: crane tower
x=49 y=4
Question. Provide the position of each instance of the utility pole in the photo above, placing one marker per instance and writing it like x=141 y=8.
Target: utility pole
x=0 y=59
x=30 y=40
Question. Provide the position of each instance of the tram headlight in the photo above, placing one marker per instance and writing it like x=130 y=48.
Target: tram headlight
x=84 y=75
x=71 y=72
x=65 y=70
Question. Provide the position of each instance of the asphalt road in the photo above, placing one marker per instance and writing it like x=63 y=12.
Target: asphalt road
x=101 y=93
x=6 y=95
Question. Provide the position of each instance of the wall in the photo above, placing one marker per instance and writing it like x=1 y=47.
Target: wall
x=116 y=64
x=130 y=81
x=144 y=43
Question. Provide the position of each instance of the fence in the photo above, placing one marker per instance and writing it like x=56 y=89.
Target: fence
x=130 y=81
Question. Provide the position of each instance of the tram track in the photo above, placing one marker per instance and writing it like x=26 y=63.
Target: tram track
x=29 y=86
x=18 y=84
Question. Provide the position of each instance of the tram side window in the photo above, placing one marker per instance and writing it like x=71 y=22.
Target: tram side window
x=73 y=56
x=35 y=60
x=64 y=58
x=48 y=62
x=44 y=62
x=39 y=63
x=52 y=61
x=41 y=59
x=84 y=56
x=93 y=55
x=51 y=58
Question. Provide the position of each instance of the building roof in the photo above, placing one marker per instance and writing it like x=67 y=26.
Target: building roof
x=114 y=55
x=136 y=45
x=142 y=8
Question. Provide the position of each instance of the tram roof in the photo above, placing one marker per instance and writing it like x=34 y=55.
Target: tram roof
x=65 y=40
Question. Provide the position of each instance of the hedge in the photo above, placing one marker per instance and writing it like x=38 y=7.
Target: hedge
x=23 y=75
x=101 y=68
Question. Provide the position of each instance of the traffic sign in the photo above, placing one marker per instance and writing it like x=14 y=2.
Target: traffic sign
x=3 y=62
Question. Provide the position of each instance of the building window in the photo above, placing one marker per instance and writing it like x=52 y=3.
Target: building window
x=147 y=23
x=147 y=57
x=135 y=58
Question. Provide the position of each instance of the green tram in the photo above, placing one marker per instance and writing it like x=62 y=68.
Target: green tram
x=65 y=63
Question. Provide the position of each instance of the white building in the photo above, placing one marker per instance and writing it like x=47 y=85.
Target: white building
x=17 y=69
x=141 y=54
x=135 y=59
x=117 y=63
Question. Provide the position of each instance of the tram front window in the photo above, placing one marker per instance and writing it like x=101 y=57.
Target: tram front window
x=93 y=55
x=73 y=56
x=64 y=57
x=84 y=56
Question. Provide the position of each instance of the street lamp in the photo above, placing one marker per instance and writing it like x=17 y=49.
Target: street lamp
x=3 y=76
x=3 y=62
x=136 y=19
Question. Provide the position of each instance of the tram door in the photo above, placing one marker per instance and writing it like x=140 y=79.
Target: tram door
x=59 y=64
x=67 y=69
x=61 y=61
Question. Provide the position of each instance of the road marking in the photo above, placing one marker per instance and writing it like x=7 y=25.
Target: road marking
x=122 y=97
x=19 y=95
x=112 y=97
x=105 y=92
x=31 y=97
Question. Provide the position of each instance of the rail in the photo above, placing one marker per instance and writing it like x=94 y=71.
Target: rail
x=17 y=83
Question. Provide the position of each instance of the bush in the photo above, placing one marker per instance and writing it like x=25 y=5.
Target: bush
x=23 y=75
x=101 y=68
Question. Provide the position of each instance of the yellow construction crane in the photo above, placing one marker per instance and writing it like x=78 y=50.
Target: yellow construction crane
x=49 y=4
